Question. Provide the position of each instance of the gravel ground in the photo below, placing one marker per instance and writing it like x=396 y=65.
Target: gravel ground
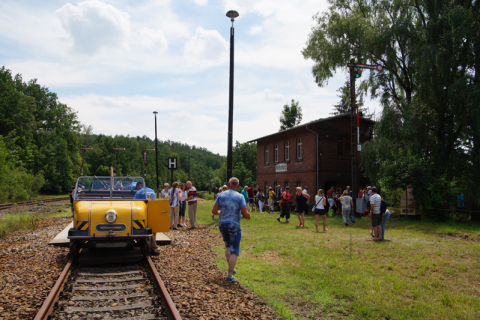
x=29 y=268
x=198 y=287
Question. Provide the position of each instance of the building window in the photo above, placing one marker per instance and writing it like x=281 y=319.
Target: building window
x=266 y=189
x=344 y=145
x=275 y=153
x=275 y=187
x=287 y=185
x=287 y=150
x=266 y=155
x=299 y=148
x=299 y=184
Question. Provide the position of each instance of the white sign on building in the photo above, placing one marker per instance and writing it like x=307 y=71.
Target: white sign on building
x=281 y=167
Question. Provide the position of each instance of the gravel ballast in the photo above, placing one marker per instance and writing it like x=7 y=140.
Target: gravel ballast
x=29 y=268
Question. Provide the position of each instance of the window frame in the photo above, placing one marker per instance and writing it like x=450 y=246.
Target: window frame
x=299 y=149
x=287 y=150
x=275 y=153
x=266 y=155
x=344 y=141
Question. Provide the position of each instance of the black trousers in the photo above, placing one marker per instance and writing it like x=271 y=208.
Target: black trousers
x=285 y=211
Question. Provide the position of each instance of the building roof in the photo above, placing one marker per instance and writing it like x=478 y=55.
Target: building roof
x=313 y=122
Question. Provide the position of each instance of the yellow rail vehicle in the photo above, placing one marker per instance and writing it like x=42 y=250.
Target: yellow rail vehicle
x=116 y=212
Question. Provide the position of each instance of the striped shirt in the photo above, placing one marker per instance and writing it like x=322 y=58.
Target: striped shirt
x=376 y=200
x=192 y=192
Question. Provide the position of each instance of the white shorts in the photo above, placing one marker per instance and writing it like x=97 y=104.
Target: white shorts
x=270 y=202
x=331 y=202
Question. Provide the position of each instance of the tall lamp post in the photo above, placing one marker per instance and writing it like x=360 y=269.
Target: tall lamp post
x=232 y=15
x=156 y=149
x=188 y=156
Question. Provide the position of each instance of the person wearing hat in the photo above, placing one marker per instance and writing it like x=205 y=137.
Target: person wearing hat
x=305 y=190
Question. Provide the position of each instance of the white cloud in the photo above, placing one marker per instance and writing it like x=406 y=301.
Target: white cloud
x=256 y=29
x=58 y=74
x=269 y=96
x=94 y=25
x=206 y=48
x=201 y=2
x=152 y=39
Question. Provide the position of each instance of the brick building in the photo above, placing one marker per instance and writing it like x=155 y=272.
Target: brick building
x=288 y=158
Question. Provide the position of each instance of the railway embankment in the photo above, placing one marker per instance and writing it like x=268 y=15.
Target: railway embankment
x=29 y=268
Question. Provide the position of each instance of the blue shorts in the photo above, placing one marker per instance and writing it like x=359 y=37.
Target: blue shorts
x=231 y=234
x=250 y=200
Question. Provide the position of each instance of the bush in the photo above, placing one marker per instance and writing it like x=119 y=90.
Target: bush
x=432 y=192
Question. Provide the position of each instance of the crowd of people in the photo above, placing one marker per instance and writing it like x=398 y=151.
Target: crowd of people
x=231 y=206
x=339 y=202
x=178 y=195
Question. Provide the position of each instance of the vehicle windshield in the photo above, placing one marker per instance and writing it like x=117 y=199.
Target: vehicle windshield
x=110 y=188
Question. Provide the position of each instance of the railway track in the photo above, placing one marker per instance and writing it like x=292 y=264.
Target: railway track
x=5 y=206
x=134 y=292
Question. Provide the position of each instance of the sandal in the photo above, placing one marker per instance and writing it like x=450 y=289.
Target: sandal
x=278 y=219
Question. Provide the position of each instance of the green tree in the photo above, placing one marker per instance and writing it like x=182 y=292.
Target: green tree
x=430 y=87
x=291 y=115
x=244 y=156
x=16 y=183
x=343 y=106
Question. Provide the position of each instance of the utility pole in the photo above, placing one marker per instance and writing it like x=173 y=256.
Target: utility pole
x=356 y=72
x=83 y=155
x=156 y=151
x=145 y=162
x=353 y=129
x=232 y=15
x=115 y=159
x=188 y=157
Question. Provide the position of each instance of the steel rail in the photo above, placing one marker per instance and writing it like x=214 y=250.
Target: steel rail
x=171 y=309
x=52 y=297
x=4 y=206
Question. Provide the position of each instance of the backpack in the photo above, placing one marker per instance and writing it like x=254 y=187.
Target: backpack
x=383 y=206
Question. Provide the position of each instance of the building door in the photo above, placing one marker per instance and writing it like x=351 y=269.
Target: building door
x=328 y=185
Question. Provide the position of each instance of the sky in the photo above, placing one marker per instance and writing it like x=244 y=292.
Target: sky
x=115 y=62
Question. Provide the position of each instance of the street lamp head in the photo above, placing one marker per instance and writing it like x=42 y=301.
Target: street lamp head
x=155 y=112
x=232 y=14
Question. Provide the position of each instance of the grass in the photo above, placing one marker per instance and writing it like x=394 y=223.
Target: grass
x=10 y=222
x=425 y=270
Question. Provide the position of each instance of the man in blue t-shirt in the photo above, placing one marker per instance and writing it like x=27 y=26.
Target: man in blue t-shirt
x=141 y=192
x=232 y=207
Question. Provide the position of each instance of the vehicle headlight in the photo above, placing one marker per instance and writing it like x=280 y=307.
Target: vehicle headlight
x=111 y=216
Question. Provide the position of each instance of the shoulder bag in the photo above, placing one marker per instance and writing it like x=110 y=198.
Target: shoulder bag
x=315 y=206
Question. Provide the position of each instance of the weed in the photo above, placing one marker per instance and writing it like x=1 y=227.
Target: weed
x=26 y=220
